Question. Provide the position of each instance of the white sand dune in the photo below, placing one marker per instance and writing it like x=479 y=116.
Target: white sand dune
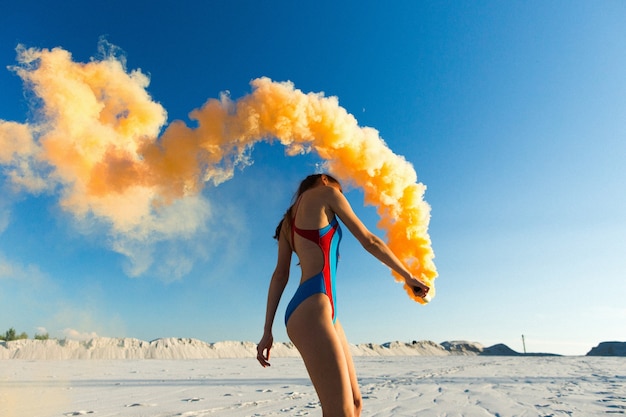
x=178 y=348
x=454 y=385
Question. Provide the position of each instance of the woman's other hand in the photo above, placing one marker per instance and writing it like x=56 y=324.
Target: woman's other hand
x=263 y=349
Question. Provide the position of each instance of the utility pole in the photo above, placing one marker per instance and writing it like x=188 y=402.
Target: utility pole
x=524 y=344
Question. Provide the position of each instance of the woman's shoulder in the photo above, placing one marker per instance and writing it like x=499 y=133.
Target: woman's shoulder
x=324 y=194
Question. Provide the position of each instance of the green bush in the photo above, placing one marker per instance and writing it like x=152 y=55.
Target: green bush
x=11 y=334
x=42 y=336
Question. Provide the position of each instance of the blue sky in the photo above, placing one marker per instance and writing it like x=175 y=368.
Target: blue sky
x=512 y=113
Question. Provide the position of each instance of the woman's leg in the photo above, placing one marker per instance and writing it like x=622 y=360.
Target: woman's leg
x=356 y=392
x=311 y=330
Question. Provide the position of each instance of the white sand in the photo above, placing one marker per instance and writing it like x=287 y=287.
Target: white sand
x=391 y=386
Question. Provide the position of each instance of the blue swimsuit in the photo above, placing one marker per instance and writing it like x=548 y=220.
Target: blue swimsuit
x=327 y=238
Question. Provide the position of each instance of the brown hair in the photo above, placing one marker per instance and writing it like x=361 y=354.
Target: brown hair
x=306 y=184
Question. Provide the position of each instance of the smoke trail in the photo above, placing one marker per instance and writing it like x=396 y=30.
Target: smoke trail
x=98 y=139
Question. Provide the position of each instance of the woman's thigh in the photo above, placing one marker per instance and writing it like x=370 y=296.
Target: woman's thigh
x=311 y=329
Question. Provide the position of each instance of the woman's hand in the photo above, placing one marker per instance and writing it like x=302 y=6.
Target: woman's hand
x=263 y=349
x=419 y=288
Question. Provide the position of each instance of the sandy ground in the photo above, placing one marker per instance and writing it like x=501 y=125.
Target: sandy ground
x=393 y=386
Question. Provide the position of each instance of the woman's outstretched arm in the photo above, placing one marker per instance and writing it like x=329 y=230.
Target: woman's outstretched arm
x=275 y=292
x=372 y=243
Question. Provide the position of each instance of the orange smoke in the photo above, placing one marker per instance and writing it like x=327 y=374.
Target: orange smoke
x=99 y=139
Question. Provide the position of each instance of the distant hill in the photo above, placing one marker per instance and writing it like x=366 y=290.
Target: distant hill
x=609 y=349
x=499 y=350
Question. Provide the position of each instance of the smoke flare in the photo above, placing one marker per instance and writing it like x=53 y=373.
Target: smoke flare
x=97 y=137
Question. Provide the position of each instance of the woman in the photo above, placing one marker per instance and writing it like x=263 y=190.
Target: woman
x=310 y=229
